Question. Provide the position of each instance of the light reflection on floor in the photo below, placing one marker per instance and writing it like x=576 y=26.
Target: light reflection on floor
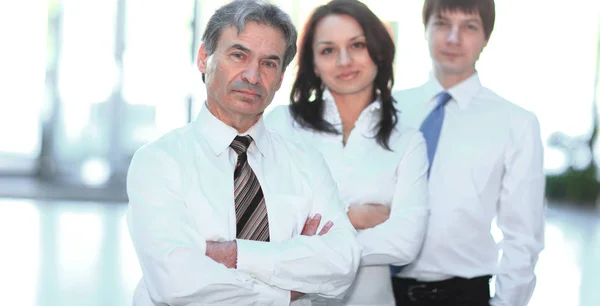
x=74 y=253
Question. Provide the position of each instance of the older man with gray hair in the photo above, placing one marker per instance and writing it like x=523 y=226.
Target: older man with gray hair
x=225 y=212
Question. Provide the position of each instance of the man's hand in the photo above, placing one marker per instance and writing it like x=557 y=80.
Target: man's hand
x=223 y=252
x=310 y=229
x=295 y=295
x=312 y=224
x=368 y=215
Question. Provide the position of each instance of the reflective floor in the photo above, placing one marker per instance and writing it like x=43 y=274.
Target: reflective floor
x=79 y=254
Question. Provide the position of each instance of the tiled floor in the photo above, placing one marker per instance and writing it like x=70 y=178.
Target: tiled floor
x=79 y=254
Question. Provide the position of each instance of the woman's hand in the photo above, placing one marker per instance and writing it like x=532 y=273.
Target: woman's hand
x=363 y=216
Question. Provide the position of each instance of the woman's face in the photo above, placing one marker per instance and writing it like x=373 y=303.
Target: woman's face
x=341 y=58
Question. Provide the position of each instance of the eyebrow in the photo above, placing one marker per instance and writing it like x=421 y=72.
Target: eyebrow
x=331 y=43
x=475 y=20
x=240 y=47
x=246 y=50
x=472 y=20
x=273 y=58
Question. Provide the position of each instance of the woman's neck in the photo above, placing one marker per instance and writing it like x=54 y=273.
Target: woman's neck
x=350 y=106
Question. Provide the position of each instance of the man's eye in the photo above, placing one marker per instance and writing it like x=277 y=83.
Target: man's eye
x=270 y=64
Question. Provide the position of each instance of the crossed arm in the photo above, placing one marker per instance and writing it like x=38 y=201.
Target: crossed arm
x=181 y=267
x=396 y=236
x=226 y=252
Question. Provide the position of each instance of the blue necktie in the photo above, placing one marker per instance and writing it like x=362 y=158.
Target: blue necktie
x=431 y=129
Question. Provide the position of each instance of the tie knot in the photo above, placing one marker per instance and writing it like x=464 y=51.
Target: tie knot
x=241 y=143
x=443 y=98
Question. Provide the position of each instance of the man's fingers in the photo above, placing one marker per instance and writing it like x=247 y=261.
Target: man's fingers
x=295 y=295
x=326 y=228
x=306 y=224
x=311 y=225
x=314 y=225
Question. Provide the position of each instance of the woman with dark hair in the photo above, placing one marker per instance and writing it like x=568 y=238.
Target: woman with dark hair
x=341 y=104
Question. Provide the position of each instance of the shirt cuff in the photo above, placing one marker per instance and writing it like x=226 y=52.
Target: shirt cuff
x=255 y=258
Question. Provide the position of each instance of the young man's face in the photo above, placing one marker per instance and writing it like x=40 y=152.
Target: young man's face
x=455 y=41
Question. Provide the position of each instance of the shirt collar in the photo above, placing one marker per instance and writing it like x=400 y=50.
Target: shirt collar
x=332 y=115
x=219 y=135
x=463 y=92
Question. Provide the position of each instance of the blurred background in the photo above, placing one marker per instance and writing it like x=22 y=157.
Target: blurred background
x=85 y=83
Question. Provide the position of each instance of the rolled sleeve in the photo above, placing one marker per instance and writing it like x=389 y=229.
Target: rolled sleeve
x=256 y=258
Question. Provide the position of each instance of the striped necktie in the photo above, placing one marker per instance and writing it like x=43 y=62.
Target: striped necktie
x=250 y=209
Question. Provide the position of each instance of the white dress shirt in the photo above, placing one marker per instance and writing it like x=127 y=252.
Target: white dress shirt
x=488 y=163
x=181 y=195
x=367 y=173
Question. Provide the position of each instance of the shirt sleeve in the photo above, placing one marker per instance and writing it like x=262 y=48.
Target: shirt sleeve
x=521 y=215
x=398 y=240
x=322 y=265
x=171 y=251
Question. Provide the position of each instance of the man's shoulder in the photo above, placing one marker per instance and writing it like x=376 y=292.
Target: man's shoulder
x=406 y=131
x=297 y=158
x=279 y=120
x=159 y=160
x=165 y=146
x=408 y=94
x=278 y=112
x=514 y=111
x=295 y=147
x=295 y=152
x=409 y=90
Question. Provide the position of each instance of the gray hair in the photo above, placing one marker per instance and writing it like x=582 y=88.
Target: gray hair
x=239 y=12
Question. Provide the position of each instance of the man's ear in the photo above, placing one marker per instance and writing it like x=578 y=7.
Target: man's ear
x=202 y=58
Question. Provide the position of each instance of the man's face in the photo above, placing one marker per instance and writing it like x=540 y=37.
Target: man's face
x=244 y=72
x=456 y=40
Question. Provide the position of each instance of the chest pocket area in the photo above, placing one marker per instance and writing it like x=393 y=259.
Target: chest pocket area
x=214 y=222
x=471 y=163
x=485 y=158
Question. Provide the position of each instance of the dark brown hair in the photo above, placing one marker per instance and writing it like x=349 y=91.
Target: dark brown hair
x=485 y=8
x=306 y=98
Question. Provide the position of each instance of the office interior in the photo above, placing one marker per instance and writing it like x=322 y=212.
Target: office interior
x=85 y=83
